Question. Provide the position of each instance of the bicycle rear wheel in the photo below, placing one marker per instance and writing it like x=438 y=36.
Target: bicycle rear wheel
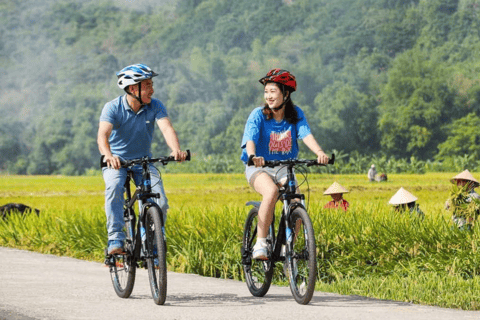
x=302 y=262
x=156 y=255
x=258 y=273
x=123 y=267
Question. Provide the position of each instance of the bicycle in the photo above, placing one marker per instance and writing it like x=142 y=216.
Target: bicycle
x=145 y=241
x=294 y=243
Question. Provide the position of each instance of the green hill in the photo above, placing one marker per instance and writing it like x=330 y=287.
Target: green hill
x=374 y=76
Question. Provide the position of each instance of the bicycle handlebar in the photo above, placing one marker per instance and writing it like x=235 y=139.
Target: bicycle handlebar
x=128 y=163
x=309 y=163
x=163 y=160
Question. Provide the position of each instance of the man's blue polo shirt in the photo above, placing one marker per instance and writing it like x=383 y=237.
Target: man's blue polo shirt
x=132 y=134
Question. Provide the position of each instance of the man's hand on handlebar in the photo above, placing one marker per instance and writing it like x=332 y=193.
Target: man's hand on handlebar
x=112 y=162
x=179 y=155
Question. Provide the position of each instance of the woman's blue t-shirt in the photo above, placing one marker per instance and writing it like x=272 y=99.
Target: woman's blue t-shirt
x=274 y=140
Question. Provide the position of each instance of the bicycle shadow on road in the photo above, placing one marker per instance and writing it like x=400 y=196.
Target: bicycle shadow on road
x=228 y=300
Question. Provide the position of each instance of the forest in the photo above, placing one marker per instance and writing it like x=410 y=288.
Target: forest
x=378 y=79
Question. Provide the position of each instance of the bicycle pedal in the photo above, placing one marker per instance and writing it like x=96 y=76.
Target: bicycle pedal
x=109 y=260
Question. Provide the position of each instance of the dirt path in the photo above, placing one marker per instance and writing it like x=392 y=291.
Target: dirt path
x=36 y=286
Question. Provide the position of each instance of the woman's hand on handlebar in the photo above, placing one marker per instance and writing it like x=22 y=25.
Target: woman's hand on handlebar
x=258 y=161
x=112 y=162
x=322 y=158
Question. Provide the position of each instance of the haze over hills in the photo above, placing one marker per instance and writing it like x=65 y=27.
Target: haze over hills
x=374 y=76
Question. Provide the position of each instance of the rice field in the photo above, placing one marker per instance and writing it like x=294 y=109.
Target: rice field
x=368 y=250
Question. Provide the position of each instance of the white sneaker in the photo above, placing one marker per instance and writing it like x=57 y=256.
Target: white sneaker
x=260 y=252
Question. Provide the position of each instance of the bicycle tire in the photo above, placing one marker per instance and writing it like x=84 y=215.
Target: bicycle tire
x=258 y=273
x=124 y=266
x=302 y=264
x=156 y=250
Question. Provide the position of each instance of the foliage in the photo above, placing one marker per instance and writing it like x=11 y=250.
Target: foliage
x=463 y=138
x=376 y=78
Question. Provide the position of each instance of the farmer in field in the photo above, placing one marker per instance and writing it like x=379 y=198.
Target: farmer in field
x=336 y=191
x=372 y=172
x=125 y=132
x=271 y=133
x=462 y=193
x=404 y=200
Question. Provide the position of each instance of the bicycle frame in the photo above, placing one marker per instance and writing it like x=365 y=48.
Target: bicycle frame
x=142 y=194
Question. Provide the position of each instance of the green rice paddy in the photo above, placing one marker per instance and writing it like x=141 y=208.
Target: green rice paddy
x=368 y=250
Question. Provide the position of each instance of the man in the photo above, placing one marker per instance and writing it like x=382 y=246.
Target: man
x=126 y=131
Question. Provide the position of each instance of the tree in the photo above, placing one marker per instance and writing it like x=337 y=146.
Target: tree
x=463 y=138
x=416 y=103
x=347 y=119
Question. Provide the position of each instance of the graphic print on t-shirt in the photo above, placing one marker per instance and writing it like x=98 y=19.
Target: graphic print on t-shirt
x=280 y=142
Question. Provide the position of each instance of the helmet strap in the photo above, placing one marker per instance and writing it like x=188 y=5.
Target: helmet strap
x=284 y=102
x=139 y=97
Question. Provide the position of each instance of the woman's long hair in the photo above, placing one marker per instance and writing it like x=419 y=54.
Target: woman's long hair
x=291 y=114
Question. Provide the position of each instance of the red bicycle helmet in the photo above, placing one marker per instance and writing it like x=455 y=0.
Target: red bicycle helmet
x=280 y=76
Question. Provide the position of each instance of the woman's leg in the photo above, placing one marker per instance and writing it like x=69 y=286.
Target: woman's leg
x=264 y=185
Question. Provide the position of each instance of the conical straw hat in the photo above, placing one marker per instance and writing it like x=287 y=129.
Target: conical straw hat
x=402 y=197
x=335 y=188
x=465 y=175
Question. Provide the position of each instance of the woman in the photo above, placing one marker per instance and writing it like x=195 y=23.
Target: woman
x=336 y=191
x=271 y=133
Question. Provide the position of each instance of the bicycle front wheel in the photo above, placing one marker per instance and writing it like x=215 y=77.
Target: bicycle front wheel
x=258 y=273
x=156 y=255
x=123 y=267
x=302 y=262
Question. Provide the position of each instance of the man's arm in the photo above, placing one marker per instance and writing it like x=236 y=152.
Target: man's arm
x=171 y=138
x=104 y=131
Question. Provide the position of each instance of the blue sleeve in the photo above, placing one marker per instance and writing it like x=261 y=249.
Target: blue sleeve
x=303 y=129
x=252 y=127
x=160 y=110
x=108 y=113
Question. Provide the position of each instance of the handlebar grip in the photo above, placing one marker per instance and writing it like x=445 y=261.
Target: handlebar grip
x=188 y=156
x=332 y=159
x=103 y=163
x=250 y=160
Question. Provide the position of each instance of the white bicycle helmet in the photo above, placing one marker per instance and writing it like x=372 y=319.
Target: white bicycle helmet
x=134 y=74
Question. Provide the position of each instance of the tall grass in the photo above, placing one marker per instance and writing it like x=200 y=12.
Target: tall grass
x=368 y=250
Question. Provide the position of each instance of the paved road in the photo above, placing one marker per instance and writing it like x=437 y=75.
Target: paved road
x=36 y=286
